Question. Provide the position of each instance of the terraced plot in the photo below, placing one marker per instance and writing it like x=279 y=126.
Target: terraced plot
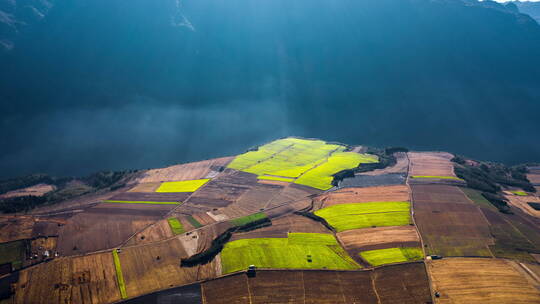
x=476 y=280
x=299 y=250
x=392 y=255
x=363 y=215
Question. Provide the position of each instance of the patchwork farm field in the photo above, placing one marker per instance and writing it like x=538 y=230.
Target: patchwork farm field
x=406 y=282
x=282 y=226
x=306 y=162
x=363 y=215
x=299 y=250
x=181 y=186
x=470 y=280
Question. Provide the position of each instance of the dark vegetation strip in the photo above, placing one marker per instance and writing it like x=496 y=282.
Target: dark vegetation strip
x=218 y=243
x=109 y=180
x=315 y=218
x=487 y=177
x=535 y=206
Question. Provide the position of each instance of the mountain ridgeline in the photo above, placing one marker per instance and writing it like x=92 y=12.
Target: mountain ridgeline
x=96 y=76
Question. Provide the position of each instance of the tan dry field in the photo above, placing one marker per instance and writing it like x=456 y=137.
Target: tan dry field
x=189 y=171
x=158 y=231
x=431 y=164
x=14 y=228
x=156 y=266
x=397 y=193
x=36 y=190
x=406 y=283
x=145 y=187
x=378 y=238
x=478 y=280
x=521 y=203
x=282 y=226
x=251 y=201
x=303 y=204
x=401 y=166
x=291 y=193
x=106 y=226
x=82 y=279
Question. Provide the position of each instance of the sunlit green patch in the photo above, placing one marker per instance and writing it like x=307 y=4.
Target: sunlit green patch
x=276 y=178
x=176 y=226
x=437 y=177
x=363 y=215
x=520 y=193
x=248 y=219
x=181 y=186
x=298 y=251
x=321 y=177
x=119 y=274
x=288 y=157
x=142 y=202
x=392 y=255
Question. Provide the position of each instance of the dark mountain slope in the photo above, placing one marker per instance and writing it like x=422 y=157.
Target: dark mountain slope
x=164 y=80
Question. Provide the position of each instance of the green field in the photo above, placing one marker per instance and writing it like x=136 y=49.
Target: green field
x=141 y=202
x=176 y=226
x=298 y=251
x=181 y=186
x=437 y=177
x=520 y=193
x=392 y=255
x=276 y=178
x=363 y=215
x=477 y=198
x=248 y=219
x=119 y=275
x=194 y=222
x=288 y=157
x=321 y=177
x=12 y=252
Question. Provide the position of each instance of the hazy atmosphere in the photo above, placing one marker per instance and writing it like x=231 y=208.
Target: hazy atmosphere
x=93 y=85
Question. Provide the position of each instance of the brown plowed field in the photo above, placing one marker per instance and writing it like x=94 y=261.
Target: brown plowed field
x=273 y=182
x=152 y=197
x=84 y=279
x=521 y=203
x=203 y=218
x=196 y=170
x=288 y=194
x=450 y=224
x=406 y=283
x=106 y=226
x=158 y=231
x=401 y=166
x=397 y=193
x=252 y=200
x=378 y=238
x=476 y=280
x=145 y=187
x=226 y=188
x=283 y=225
x=288 y=208
x=431 y=164
x=144 y=272
x=207 y=234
